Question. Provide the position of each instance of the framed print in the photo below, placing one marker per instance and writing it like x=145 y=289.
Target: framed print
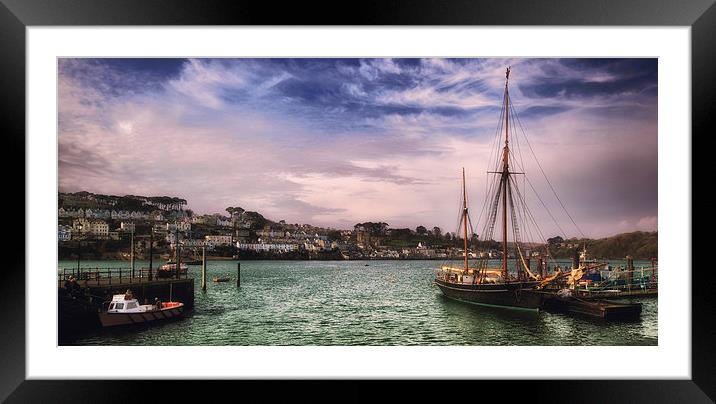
x=474 y=193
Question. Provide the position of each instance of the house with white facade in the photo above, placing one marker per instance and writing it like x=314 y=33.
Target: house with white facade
x=218 y=239
x=275 y=247
x=64 y=233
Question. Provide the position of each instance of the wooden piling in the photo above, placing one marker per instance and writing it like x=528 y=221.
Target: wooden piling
x=131 y=252
x=151 y=250
x=203 y=269
x=630 y=271
x=238 y=274
x=178 y=251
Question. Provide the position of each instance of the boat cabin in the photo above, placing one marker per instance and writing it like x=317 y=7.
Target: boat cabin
x=126 y=303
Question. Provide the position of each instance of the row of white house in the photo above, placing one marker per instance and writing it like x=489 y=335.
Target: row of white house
x=277 y=247
x=109 y=214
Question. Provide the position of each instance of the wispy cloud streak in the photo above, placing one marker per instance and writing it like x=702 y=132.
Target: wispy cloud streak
x=337 y=141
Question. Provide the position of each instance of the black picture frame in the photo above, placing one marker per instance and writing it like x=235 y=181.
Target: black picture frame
x=16 y=15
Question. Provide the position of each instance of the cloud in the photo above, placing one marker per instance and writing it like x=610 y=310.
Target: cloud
x=339 y=141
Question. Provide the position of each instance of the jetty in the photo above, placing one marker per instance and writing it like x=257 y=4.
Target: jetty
x=82 y=293
x=603 y=309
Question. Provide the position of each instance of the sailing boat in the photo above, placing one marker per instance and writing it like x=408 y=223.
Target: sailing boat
x=483 y=285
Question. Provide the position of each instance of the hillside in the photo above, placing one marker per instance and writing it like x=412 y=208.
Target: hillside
x=90 y=200
x=640 y=245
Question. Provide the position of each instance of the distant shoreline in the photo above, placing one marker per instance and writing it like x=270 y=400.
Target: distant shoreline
x=560 y=260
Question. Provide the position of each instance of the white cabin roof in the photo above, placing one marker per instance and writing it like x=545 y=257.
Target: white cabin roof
x=119 y=298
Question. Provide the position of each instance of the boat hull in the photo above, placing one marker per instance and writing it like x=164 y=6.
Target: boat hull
x=515 y=295
x=118 y=319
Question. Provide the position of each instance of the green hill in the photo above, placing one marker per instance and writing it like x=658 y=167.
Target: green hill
x=640 y=245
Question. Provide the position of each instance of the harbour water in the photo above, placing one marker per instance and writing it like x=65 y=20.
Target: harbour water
x=357 y=303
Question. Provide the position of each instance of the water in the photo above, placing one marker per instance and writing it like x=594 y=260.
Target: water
x=349 y=303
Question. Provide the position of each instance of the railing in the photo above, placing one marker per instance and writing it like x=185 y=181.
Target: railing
x=636 y=279
x=107 y=276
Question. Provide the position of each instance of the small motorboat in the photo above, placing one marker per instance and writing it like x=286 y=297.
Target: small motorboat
x=221 y=279
x=168 y=270
x=171 y=266
x=125 y=310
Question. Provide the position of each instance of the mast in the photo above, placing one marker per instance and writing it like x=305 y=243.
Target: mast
x=464 y=214
x=505 y=177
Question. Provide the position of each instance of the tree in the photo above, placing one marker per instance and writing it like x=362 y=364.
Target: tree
x=437 y=232
x=555 y=240
x=233 y=212
x=335 y=235
x=421 y=230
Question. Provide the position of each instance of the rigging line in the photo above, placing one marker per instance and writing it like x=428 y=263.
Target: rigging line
x=537 y=228
x=488 y=198
x=516 y=138
x=547 y=179
x=488 y=230
x=526 y=225
x=545 y=207
x=488 y=192
x=523 y=268
x=540 y=233
x=493 y=211
x=494 y=151
x=493 y=158
x=497 y=136
x=519 y=212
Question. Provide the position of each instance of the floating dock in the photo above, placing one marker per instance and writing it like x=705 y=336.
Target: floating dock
x=604 y=309
x=617 y=293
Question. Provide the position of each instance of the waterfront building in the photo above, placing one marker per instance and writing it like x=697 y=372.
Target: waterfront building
x=64 y=233
x=184 y=225
x=221 y=239
x=99 y=228
x=81 y=226
x=275 y=247
x=223 y=222
x=127 y=227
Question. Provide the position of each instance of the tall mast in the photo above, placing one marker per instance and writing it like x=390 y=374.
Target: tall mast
x=464 y=214
x=505 y=176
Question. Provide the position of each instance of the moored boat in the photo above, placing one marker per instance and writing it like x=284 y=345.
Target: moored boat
x=172 y=266
x=482 y=285
x=125 y=310
x=497 y=286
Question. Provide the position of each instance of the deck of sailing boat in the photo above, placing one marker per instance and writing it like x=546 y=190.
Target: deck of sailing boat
x=520 y=288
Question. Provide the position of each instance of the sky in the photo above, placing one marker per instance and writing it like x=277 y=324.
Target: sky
x=335 y=142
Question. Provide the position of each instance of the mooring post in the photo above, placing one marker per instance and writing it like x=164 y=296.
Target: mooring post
x=131 y=253
x=178 y=260
x=151 y=250
x=238 y=274
x=203 y=269
x=630 y=271
x=79 y=252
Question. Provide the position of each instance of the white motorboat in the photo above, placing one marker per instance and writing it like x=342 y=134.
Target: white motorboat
x=125 y=310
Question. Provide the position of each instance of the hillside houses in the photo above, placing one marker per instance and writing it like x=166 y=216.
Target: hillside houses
x=108 y=214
